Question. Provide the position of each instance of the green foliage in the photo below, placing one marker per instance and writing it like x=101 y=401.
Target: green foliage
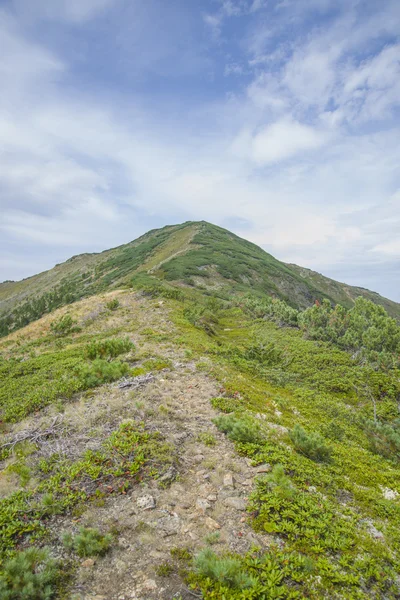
x=274 y=310
x=113 y=304
x=366 y=330
x=181 y=553
x=88 y=542
x=226 y=404
x=311 y=445
x=108 y=348
x=226 y=571
x=30 y=575
x=207 y=438
x=100 y=371
x=63 y=326
x=202 y=317
x=384 y=438
x=165 y=569
x=243 y=429
x=265 y=353
x=279 y=483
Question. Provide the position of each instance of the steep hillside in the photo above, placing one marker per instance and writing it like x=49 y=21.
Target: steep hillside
x=163 y=443
x=192 y=254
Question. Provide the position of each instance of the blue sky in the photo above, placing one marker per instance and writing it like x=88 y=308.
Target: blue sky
x=278 y=119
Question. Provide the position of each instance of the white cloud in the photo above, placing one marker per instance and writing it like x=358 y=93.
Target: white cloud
x=284 y=139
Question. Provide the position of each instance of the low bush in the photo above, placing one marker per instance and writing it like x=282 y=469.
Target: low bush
x=224 y=570
x=30 y=575
x=226 y=405
x=100 y=371
x=384 y=438
x=64 y=326
x=108 y=349
x=88 y=542
x=113 y=304
x=242 y=429
x=311 y=445
x=280 y=483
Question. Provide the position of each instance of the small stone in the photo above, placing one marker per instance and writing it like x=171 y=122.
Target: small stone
x=212 y=497
x=228 y=480
x=235 y=502
x=169 y=476
x=265 y=468
x=376 y=534
x=389 y=494
x=149 y=585
x=198 y=458
x=88 y=563
x=202 y=505
x=206 y=476
x=211 y=524
x=146 y=502
x=185 y=505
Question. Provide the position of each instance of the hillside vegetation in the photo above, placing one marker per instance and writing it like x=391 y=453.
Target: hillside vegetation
x=302 y=403
x=198 y=255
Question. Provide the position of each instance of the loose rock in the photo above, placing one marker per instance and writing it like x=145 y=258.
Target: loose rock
x=146 y=502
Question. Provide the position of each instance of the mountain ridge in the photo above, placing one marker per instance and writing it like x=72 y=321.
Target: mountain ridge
x=193 y=253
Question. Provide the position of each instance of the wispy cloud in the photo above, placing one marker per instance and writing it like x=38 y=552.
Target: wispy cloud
x=281 y=118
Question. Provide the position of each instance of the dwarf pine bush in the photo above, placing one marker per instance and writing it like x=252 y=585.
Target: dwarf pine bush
x=108 y=349
x=88 y=542
x=384 y=438
x=30 y=575
x=113 y=304
x=242 y=429
x=280 y=483
x=63 y=326
x=224 y=570
x=100 y=371
x=311 y=445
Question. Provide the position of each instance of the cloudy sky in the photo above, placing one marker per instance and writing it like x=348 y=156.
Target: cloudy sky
x=277 y=119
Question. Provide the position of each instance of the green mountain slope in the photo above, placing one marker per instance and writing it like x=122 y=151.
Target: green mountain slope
x=195 y=254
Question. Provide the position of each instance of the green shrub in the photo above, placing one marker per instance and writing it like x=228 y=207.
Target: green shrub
x=311 y=445
x=88 y=542
x=165 y=569
x=113 y=304
x=30 y=575
x=224 y=570
x=226 y=405
x=63 y=326
x=384 y=438
x=264 y=353
x=280 y=483
x=242 y=429
x=207 y=438
x=107 y=349
x=100 y=371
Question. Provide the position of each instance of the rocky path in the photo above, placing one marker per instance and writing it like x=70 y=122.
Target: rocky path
x=207 y=493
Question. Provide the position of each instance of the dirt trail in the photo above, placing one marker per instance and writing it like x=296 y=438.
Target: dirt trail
x=208 y=494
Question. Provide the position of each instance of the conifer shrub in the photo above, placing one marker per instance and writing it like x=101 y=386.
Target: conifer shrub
x=224 y=570
x=264 y=353
x=225 y=405
x=384 y=438
x=241 y=429
x=88 y=542
x=64 y=326
x=100 y=371
x=311 y=445
x=30 y=575
x=108 y=349
x=113 y=304
x=280 y=483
